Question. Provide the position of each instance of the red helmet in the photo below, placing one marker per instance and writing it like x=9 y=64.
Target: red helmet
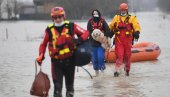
x=56 y=11
x=123 y=6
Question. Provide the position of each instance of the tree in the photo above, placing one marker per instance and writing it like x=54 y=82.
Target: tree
x=164 y=5
x=11 y=7
x=15 y=7
x=0 y=8
x=81 y=9
x=8 y=8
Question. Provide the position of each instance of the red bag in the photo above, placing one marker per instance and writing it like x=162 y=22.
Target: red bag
x=41 y=84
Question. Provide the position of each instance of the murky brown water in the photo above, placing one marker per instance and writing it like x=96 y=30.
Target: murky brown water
x=147 y=79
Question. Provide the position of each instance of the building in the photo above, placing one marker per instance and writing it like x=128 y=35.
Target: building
x=44 y=6
x=39 y=10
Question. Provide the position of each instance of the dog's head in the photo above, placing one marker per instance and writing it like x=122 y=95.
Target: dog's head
x=96 y=33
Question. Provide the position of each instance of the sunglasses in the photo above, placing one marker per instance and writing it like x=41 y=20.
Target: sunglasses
x=57 y=17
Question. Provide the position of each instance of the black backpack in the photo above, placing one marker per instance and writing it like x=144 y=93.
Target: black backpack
x=82 y=54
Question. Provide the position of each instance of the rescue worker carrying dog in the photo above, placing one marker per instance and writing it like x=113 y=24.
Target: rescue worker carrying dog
x=98 y=52
x=125 y=27
x=61 y=44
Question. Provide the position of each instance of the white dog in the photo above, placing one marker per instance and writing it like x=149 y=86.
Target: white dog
x=99 y=36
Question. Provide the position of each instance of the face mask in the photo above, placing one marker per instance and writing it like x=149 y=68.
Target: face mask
x=59 y=25
x=96 y=15
x=123 y=14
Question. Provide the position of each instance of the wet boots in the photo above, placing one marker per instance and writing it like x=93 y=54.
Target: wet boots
x=69 y=94
x=116 y=74
x=57 y=94
x=127 y=73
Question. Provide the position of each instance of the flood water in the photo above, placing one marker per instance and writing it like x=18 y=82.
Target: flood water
x=147 y=79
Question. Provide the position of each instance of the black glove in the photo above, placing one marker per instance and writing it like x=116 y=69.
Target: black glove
x=136 y=35
x=112 y=33
x=109 y=34
x=78 y=41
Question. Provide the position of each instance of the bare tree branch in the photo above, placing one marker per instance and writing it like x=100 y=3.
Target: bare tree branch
x=1 y=9
x=8 y=8
x=164 y=5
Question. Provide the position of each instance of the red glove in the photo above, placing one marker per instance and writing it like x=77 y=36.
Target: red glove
x=40 y=59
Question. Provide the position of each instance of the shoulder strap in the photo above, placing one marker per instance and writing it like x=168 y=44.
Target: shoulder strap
x=119 y=17
x=51 y=25
x=71 y=29
x=91 y=21
x=127 y=19
x=70 y=26
x=102 y=20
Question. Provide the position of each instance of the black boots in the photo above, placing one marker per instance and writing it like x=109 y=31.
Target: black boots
x=69 y=94
x=127 y=73
x=116 y=74
x=57 y=94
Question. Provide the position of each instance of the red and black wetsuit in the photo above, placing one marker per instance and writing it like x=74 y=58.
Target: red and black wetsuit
x=62 y=67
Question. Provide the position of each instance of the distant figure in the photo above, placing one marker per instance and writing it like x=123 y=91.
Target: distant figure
x=164 y=17
x=98 y=52
x=61 y=44
x=125 y=27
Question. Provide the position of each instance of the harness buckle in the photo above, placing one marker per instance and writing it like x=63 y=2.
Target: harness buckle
x=127 y=33
x=118 y=32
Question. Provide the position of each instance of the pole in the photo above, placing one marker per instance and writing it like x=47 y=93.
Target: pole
x=6 y=33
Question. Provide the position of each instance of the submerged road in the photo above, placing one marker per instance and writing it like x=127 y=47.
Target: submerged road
x=147 y=79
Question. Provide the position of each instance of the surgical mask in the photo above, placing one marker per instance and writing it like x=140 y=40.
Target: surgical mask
x=124 y=14
x=59 y=24
x=96 y=15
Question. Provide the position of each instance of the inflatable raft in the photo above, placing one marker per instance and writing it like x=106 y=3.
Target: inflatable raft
x=144 y=51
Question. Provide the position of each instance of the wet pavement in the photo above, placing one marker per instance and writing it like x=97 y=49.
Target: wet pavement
x=147 y=79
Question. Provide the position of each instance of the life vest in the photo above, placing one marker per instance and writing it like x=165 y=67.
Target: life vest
x=124 y=27
x=61 y=45
x=97 y=25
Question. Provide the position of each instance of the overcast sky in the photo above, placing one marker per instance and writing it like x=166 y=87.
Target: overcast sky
x=31 y=1
x=26 y=0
